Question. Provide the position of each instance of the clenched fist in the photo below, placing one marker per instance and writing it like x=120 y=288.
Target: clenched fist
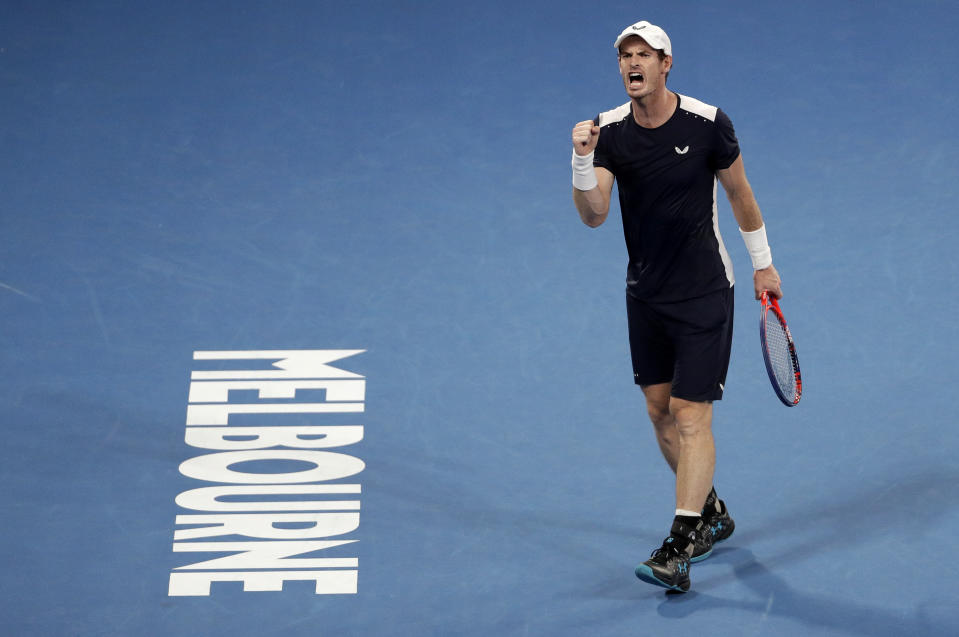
x=585 y=137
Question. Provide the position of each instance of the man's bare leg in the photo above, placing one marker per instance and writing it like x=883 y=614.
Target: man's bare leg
x=697 y=452
x=664 y=423
x=684 y=433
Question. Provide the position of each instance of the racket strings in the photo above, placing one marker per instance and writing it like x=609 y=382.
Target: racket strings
x=780 y=359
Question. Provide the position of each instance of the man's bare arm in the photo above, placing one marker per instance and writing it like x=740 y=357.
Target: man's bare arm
x=593 y=205
x=750 y=219
x=592 y=186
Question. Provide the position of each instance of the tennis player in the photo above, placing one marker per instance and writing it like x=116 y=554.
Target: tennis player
x=667 y=151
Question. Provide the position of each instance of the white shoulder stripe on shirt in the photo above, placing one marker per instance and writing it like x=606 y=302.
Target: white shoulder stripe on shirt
x=691 y=104
x=699 y=108
x=618 y=114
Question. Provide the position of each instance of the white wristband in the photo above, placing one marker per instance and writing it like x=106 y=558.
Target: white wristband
x=584 y=177
x=758 y=247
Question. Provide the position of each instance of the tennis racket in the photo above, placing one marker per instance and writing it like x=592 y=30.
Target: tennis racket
x=779 y=352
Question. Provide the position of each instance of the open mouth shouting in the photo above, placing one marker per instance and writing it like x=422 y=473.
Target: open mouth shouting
x=635 y=80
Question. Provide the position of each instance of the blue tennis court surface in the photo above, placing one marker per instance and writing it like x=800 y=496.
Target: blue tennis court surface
x=355 y=218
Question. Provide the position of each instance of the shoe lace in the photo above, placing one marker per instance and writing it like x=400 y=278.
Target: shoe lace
x=666 y=550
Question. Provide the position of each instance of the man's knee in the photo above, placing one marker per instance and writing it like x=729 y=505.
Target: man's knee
x=659 y=414
x=692 y=418
x=657 y=404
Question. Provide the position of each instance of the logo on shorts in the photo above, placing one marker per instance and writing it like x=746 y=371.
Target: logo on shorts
x=681 y=151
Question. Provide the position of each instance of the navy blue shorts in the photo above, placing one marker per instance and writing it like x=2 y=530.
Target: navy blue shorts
x=685 y=343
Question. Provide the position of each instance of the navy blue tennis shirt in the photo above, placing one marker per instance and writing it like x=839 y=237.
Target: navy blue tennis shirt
x=666 y=178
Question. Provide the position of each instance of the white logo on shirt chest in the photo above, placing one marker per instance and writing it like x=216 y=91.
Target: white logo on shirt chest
x=681 y=151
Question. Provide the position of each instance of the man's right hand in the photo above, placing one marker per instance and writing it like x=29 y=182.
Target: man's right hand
x=585 y=137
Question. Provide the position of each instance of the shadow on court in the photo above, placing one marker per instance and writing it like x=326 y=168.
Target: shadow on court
x=775 y=597
x=896 y=511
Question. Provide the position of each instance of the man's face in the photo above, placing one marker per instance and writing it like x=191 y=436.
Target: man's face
x=642 y=70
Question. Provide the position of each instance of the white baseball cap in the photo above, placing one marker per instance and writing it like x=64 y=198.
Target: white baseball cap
x=654 y=36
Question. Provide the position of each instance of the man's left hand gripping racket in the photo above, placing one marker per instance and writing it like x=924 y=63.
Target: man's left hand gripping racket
x=779 y=352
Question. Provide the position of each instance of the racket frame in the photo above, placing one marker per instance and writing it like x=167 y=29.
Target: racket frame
x=769 y=303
